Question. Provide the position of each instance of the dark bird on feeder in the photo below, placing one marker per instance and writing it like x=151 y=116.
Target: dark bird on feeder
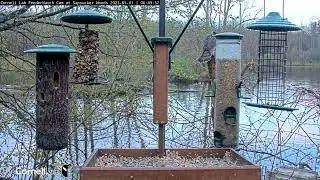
x=209 y=54
x=209 y=48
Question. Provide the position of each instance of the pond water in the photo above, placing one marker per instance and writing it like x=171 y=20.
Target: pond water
x=268 y=138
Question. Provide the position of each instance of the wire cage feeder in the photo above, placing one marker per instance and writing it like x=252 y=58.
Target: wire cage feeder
x=272 y=53
x=86 y=65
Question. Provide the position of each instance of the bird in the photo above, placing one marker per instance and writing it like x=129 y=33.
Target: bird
x=209 y=54
x=209 y=48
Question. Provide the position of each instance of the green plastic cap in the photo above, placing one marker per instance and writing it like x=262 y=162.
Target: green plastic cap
x=51 y=48
x=273 y=22
x=228 y=35
x=86 y=17
x=162 y=40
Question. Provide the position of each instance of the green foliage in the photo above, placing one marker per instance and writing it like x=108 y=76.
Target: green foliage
x=184 y=70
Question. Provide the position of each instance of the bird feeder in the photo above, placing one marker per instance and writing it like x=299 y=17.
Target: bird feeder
x=227 y=101
x=272 y=53
x=86 y=67
x=52 y=109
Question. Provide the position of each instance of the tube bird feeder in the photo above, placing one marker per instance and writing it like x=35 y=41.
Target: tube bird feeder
x=227 y=100
x=86 y=67
x=272 y=54
x=52 y=92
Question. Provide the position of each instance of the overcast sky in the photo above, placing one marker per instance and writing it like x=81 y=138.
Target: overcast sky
x=297 y=11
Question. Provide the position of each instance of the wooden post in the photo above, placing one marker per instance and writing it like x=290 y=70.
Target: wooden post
x=160 y=92
x=160 y=86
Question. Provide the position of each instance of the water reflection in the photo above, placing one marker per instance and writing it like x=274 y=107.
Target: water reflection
x=269 y=138
x=308 y=76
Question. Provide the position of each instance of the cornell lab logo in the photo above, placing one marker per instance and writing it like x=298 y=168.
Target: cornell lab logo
x=64 y=169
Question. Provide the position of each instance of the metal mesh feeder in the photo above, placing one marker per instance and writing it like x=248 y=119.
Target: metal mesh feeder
x=86 y=67
x=52 y=91
x=272 y=61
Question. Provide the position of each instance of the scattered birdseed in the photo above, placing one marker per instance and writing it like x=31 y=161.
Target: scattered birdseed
x=171 y=160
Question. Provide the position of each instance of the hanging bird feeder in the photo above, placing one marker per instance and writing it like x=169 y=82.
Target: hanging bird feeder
x=228 y=79
x=272 y=61
x=52 y=109
x=86 y=67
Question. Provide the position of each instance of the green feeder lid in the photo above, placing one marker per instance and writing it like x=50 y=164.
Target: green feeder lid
x=267 y=106
x=162 y=40
x=273 y=22
x=51 y=48
x=228 y=35
x=86 y=17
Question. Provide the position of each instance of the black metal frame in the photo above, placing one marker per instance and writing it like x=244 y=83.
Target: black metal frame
x=272 y=68
x=162 y=29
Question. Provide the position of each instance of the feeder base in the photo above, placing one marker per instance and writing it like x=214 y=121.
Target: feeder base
x=92 y=83
x=244 y=171
x=270 y=106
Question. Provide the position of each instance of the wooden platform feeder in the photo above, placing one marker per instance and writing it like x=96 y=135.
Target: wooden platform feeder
x=52 y=109
x=244 y=171
x=86 y=67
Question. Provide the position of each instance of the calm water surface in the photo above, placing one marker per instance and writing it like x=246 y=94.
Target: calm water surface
x=293 y=137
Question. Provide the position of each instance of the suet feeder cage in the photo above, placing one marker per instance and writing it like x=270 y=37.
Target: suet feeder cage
x=52 y=92
x=228 y=80
x=86 y=67
x=272 y=53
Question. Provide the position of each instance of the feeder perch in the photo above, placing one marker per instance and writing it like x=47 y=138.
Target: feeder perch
x=272 y=60
x=160 y=90
x=218 y=139
x=228 y=78
x=239 y=92
x=52 y=109
x=86 y=67
x=230 y=114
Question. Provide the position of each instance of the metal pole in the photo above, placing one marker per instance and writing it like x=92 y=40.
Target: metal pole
x=162 y=18
x=161 y=140
x=283 y=8
x=162 y=33
x=264 y=8
x=240 y=14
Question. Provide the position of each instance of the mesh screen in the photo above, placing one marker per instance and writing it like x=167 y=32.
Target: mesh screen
x=272 y=68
